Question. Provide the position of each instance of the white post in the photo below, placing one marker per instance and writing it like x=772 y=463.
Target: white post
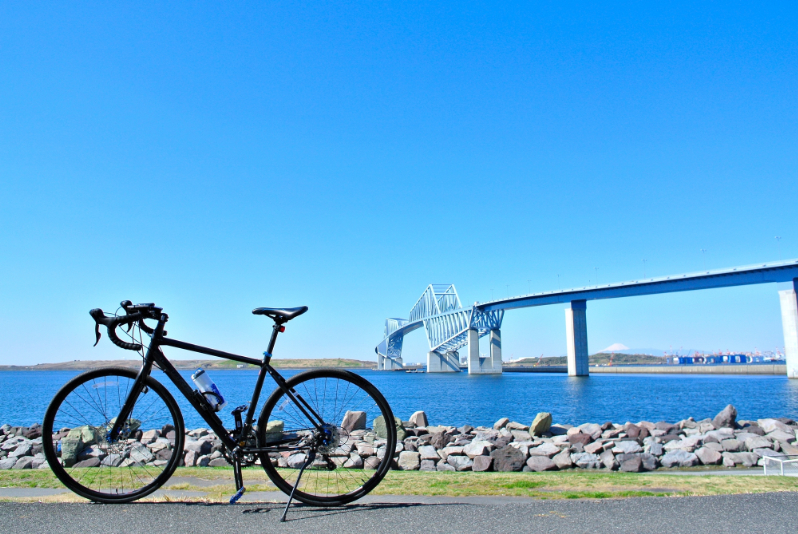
x=789 y=322
x=576 y=334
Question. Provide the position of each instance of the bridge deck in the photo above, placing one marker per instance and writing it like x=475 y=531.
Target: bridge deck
x=784 y=271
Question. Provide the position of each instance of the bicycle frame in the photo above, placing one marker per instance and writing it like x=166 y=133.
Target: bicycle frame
x=155 y=356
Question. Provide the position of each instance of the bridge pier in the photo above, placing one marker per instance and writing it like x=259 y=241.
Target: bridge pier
x=391 y=364
x=443 y=363
x=789 y=321
x=576 y=334
x=484 y=366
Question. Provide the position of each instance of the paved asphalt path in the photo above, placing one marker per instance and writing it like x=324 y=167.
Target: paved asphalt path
x=771 y=513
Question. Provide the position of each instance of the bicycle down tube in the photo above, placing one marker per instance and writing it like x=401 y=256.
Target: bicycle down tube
x=155 y=356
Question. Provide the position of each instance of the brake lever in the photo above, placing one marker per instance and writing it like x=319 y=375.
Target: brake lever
x=97 y=333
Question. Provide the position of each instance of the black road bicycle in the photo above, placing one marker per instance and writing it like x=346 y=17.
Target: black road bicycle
x=114 y=435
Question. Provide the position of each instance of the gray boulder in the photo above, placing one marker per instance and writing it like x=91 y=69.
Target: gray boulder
x=355 y=461
x=769 y=425
x=747 y=459
x=501 y=423
x=758 y=443
x=382 y=430
x=632 y=464
x=726 y=418
x=655 y=449
x=478 y=448
x=591 y=429
x=112 y=460
x=585 y=460
x=679 y=458
x=23 y=449
x=427 y=452
x=427 y=465
x=23 y=462
x=650 y=462
x=140 y=453
x=460 y=463
x=295 y=461
x=731 y=445
x=190 y=459
x=482 y=463
x=780 y=435
x=541 y=424
x=508 y=459
x=409 y=461
x=354 y=420
x=201 y=447
x=579 y=438
x=91 y=462
x=443 y=466
x=627 y=447
x=608 y=460
x=150 y=436
x=597 y=447
x=547 y=449
x=540 y=463
x=762 y=453
x=419 y=419
x=563 y=460
x=709 y=456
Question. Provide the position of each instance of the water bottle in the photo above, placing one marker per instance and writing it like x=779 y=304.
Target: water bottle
x=208 y=389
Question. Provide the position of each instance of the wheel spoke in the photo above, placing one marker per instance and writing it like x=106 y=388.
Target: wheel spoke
x=127 y=468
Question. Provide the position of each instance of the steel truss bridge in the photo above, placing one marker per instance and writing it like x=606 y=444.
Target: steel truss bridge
x=449 y=326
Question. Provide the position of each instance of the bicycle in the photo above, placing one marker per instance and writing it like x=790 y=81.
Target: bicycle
x=113 y=435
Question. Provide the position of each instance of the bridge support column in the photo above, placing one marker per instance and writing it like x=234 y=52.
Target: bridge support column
x=392 y=364
x=483 y=366
x=473 y=351
x=443 y=363
x=496 y=350
x=789 y=322
x=576 y=333
x=380 y=362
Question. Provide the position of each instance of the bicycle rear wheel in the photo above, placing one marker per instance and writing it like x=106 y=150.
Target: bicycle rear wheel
x=354 y=451
x=75 y=443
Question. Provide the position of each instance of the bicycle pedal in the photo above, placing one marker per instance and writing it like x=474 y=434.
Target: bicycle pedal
x=238 y=495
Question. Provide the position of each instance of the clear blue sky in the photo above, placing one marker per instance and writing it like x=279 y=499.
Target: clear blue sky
x=217 y=157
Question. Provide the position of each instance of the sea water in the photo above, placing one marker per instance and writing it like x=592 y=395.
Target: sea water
x=457 y=398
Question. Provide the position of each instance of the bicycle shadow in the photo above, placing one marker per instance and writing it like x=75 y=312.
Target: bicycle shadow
x=299 y=511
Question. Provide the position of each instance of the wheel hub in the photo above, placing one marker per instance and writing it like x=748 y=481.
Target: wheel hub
x=328 y=439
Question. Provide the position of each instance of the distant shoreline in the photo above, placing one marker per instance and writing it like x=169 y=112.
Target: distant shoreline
x=185 y=365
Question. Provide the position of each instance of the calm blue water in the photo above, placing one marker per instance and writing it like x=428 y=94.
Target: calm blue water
x=481 y=400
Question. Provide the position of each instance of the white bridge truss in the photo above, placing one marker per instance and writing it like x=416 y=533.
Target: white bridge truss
x=445 y=321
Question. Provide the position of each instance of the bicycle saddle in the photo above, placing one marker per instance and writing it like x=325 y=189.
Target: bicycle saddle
x=281 y=315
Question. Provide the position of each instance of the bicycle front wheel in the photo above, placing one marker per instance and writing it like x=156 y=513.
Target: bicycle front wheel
x=75 y=436
x=352 y=452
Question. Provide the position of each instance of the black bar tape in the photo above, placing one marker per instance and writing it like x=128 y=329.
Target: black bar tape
x=111 y=323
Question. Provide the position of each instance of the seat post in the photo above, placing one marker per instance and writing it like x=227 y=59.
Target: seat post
x=275 y=330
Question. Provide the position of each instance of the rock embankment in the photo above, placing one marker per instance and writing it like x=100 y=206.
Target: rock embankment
x=507 y=446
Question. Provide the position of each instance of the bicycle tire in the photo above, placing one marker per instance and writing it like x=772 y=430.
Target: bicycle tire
x=128 y=469
x=358 y=395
